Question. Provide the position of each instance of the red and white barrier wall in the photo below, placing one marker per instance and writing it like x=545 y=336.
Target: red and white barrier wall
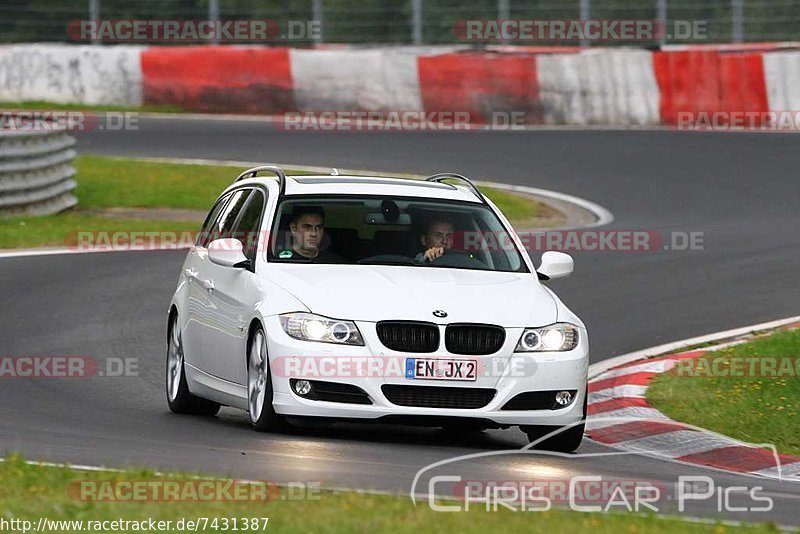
x=551 y=85
x=67 y=74
x=782 y=80
x=216 y=78
x=607 y=87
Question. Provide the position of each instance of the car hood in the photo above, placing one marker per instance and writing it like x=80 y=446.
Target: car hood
x=376 y=293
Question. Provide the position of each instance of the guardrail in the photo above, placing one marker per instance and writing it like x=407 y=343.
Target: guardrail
x=36 y=175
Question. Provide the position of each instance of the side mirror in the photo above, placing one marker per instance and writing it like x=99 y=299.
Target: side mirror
x=555 y=265
x=228 y=253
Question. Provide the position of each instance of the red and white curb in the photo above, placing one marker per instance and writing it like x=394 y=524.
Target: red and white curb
x=619 y=416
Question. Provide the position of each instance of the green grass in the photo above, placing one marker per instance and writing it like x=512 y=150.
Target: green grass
x=515 y=207
x=62 y=229
x=30 y=492
x=106 y=182
x=753 y=409
x=50 y=106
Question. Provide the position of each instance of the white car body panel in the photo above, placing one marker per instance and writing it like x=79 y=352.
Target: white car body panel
x=378 y=292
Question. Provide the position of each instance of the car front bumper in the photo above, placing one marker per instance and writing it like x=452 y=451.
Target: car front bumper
x=508 y=373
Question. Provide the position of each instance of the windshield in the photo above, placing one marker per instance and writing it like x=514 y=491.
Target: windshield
x=392 y=231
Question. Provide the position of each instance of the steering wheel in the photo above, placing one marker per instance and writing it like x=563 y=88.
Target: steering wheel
x=458 y=258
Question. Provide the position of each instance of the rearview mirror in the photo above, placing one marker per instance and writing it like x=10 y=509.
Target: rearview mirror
x=556 y=265
x=380 y=218
x=227 y=252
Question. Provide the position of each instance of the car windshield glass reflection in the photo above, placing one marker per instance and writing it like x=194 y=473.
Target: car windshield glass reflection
x=392 y=231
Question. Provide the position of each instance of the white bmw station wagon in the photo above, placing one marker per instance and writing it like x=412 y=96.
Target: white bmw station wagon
x=367 y=298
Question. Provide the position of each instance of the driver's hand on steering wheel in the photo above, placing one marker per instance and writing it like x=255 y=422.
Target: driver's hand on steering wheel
x=433 y=253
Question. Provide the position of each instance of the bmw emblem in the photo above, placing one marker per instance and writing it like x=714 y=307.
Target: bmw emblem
x=439 y=313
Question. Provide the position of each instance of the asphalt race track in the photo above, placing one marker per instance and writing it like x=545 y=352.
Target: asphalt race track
x=740 y=189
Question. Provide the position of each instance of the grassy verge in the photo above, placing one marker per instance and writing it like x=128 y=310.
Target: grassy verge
x=41 y=105
x=62 y=230
x=757 y=409
x=31 y=492
x=523 y=212
x=105 y=183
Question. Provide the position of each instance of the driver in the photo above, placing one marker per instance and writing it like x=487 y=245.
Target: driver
x=307 y=226
x=437 y=239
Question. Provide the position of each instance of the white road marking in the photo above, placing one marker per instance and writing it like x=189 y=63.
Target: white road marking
x=658 y=366
x=676 y=444
x=624 y=415
x=623 y=391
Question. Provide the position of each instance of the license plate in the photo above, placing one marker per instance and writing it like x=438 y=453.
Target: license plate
x=433 y=369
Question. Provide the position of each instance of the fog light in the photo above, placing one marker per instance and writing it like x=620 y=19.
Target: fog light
x=302 y=387
x=563 y=398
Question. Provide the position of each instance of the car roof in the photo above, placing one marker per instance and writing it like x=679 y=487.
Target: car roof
x=366 y=185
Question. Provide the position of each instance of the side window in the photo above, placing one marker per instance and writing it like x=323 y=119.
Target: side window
x=223 y=227
x=248 y=226
x=205 y=234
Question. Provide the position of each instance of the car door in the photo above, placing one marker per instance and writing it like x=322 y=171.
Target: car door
x=206 y=315
x=232 y=298
x=197 y=297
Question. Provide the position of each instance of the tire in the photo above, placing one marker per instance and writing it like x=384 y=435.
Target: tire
x=565 y=441
x=179 y=399
x=263 y=417
x=568 y=440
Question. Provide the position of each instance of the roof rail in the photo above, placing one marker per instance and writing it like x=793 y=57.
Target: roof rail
x=277 y=171
x=440 y=177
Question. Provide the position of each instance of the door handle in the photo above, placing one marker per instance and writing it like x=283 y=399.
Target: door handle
x=207 y=284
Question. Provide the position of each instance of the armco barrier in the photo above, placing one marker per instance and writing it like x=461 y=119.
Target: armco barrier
x=36 y=172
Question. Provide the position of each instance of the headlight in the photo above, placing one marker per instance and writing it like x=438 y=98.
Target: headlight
x=310 y=327
x=556 y=337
